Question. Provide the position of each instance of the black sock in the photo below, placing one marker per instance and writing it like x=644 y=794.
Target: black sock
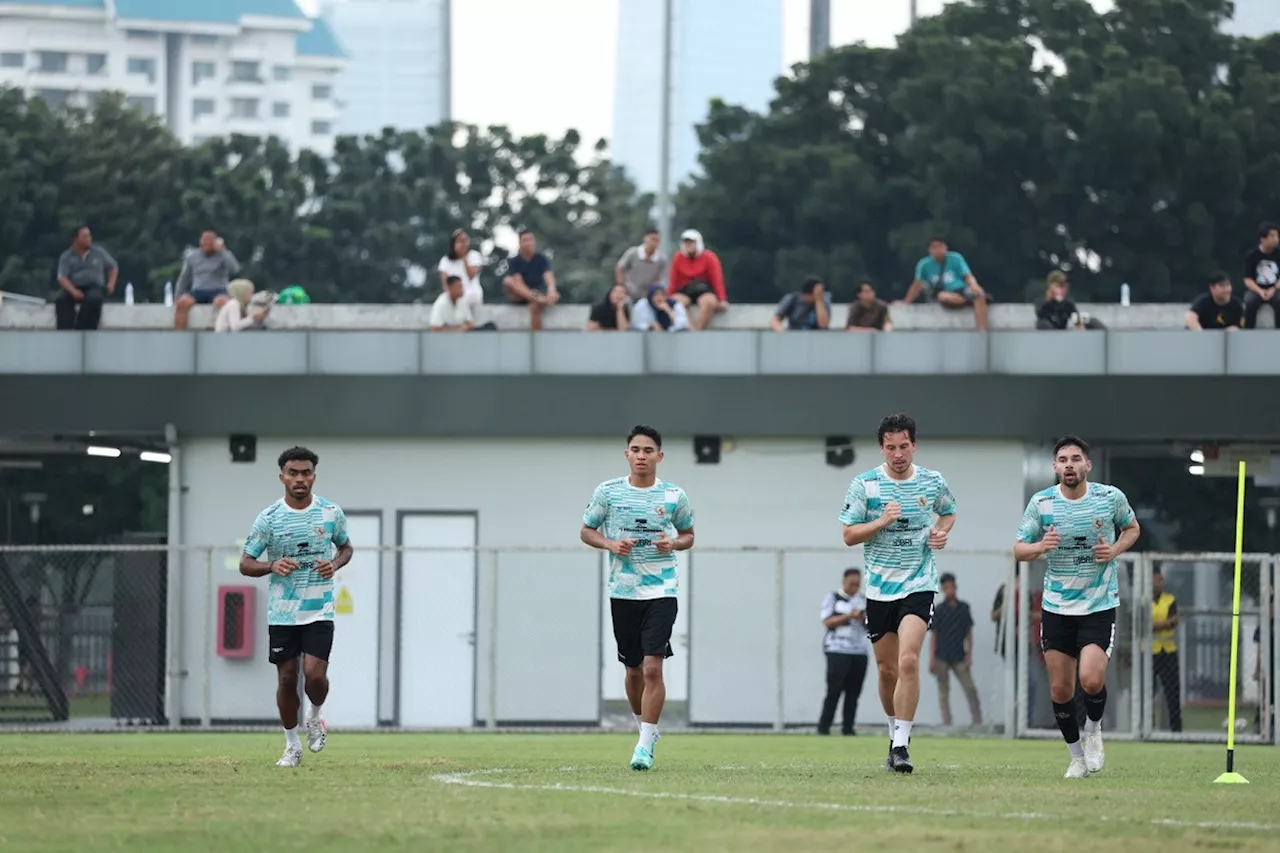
x=1095 y=704
x=1065 y=714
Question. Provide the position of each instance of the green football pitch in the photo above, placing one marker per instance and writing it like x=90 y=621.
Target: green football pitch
x=562 y=792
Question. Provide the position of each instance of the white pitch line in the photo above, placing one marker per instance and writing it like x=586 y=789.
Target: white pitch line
x=469 y=780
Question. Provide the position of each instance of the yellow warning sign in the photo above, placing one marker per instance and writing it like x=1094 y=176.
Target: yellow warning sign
x=343 y=604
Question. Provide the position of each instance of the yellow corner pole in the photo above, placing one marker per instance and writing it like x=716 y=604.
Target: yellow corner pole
x=1231 y=776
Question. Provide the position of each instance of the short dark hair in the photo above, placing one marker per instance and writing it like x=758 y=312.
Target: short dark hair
x=942 y=240
x=1266 y=228
x=649 y=231
x=298 y=454
x=75 y=235
x=863 y=284
x=851 y=571
x=452 y=280
x=810 y=283
x=1071 y=441
x=1155 y=570
x=208 y=229
x=896 y=423
x=1219 y=277
x=947 y=578
x=648 y=431
x=524 y=231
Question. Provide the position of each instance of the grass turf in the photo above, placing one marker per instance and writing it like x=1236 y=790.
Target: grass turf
x=215 y=792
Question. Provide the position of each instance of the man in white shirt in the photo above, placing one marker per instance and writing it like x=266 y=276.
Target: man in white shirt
x=847 y=647
x=452 y=313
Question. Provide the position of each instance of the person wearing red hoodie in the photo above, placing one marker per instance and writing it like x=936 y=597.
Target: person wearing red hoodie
x=697 y=279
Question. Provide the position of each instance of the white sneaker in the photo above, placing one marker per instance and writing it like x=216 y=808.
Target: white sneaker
x=316 y=731
x=1094 y=755
x=292 y=757
x=1076 y=769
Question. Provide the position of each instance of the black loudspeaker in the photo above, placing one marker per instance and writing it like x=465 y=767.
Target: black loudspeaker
x=244 y=448
x=706 y=449
x=839 y=451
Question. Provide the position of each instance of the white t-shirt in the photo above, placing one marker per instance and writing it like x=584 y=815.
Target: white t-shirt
x=446 y=312
x=472 y=292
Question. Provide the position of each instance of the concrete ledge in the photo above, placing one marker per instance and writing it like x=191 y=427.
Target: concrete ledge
x=574 y=317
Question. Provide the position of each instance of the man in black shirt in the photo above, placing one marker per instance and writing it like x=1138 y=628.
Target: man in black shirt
x=952 y=630
x=1262 y=275
x=1217 y=309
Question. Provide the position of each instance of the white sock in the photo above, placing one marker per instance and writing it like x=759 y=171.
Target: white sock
x=891 y=723
x=1076 y=749
x=291 y=738
x=315 y=712
x=1092 y=726
x=639 y=723
x=901 y=733
x=648 y=734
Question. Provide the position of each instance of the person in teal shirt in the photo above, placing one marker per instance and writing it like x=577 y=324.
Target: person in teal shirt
x=947 y=275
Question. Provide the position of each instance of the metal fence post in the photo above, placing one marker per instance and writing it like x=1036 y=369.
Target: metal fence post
x=1008 y=639
x=1020 y=649
x=207 y=643
x=491 y=715
x=779 y=720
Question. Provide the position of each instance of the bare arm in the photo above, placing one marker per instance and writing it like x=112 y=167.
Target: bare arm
x=913 y=291
x=821 y=312
x=856 y=534
x=1028 y=552
x=1125 y=540
x=254 y=568
x=1192 y=321
x=973 y=283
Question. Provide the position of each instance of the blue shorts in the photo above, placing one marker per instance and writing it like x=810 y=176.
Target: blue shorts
x=206 y=297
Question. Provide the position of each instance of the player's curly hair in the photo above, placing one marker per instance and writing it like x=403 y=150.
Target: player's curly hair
x=1071 y=441
x=298 y=454
x=897 y=423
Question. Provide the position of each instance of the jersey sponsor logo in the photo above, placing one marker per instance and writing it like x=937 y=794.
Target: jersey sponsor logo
x=1097 y=523
x=923 y=501
x=660 y=511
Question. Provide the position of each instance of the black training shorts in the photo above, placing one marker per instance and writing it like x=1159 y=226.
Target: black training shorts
x=884 y=617
x=643 y=628
x=290 y=641
x=1070 y=634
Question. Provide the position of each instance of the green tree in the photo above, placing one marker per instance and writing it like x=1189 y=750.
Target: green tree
x=1136 y=145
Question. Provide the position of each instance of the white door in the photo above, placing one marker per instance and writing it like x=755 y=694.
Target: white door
x=675 y=671
x=437 y=621
x=353 y=663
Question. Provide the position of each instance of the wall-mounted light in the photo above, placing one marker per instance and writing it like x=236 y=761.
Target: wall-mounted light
x=1197 y=456
x=106 y=452
x=153 y=456
x=1196 y=470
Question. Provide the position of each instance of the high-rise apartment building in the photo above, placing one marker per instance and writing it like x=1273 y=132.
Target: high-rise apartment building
x=398 y=69
x=726 y=49
x=211 y=68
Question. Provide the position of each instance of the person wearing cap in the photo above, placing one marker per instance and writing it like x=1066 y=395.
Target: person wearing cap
x=697 y=279
x=808 y=309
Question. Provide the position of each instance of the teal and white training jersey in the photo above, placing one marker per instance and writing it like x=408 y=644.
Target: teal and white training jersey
x=1074 y=583
x=898 y=559
x=619 y=510
x=305 y=536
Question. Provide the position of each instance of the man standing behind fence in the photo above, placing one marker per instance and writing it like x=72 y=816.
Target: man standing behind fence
x=844 y=616
x=952 y=631
x=1164 y=648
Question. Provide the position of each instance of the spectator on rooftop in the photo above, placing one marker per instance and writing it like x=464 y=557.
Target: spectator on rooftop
x=697 y=279
x=611 y=313
x=245 y=309
x=1057 y=311
x=87 y=274
x=530 y=280
x=451 y=311
x=464 y=262
x=946 y=276
x=1217 y=309
x=1262 y=276
x=804 y=310
x=206 y=272
x=641 y=267
x=657 y=313
x=867 y=313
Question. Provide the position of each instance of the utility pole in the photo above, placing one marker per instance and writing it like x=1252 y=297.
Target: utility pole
x=820 y=27
x=664 y=149
x=915 y=13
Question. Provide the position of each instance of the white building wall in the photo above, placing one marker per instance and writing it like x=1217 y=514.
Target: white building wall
x=80 y=37
x=764 y=493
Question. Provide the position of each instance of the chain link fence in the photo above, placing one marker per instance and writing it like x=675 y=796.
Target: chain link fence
x=82 y=635
x=86 y=640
